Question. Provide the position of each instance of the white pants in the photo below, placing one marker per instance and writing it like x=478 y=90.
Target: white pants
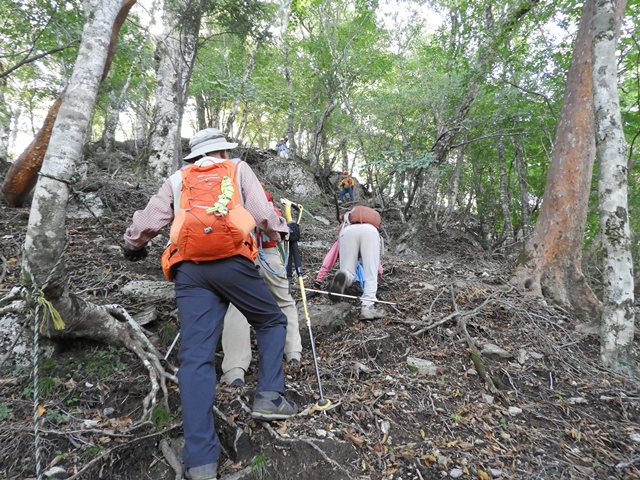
x=361 y=240
x=236 y=334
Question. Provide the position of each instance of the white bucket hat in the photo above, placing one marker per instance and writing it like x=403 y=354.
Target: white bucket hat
x=208 y=140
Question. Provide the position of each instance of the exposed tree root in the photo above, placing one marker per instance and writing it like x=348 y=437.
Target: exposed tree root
x=172 y=458
x=109 y=324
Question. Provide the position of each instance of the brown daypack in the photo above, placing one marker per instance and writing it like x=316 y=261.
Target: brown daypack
x=362 y=214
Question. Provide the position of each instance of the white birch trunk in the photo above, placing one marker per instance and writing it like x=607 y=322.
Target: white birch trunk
x=45 y=237
x=504 y=193
x=43 y=270
x=112 y=118
x=617 y=326
x=176 y=51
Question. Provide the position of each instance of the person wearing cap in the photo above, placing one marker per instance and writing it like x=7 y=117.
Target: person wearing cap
x=236 y=335
x=346 y=186
x=204 y=291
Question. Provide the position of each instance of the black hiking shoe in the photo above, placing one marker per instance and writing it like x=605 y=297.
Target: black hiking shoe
x=338 y=285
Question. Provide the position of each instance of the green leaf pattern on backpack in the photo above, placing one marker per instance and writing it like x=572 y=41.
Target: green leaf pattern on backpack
x=224 y=198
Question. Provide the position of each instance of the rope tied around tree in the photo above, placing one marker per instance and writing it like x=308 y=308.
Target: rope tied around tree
x=41 y=302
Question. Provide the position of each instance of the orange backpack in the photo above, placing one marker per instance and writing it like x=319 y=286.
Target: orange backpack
x=210 y=220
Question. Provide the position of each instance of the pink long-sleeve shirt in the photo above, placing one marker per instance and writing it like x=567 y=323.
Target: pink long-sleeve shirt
x=159 y=212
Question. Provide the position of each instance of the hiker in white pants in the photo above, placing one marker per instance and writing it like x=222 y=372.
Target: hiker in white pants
x=359 y=237
x=236 y=336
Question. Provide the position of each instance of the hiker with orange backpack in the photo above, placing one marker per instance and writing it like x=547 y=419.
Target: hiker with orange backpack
x=214 y=203
x=236 y=335
x=346 y=186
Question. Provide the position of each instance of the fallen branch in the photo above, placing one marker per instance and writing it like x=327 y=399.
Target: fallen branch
x=490 y=382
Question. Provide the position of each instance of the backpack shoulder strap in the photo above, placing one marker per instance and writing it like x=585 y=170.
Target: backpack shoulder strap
x=176 y=187
x=238 y=176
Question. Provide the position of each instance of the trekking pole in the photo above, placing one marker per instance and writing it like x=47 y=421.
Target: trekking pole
x=164 y=361
x=294 y=254
x=324 y=292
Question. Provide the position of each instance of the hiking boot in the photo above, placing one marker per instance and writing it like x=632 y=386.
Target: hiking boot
x=203 y=472
x=233 y=377
x=338 y=285
x=293 y=364
x=369 y=312
x=238 y=382
x=272 y=406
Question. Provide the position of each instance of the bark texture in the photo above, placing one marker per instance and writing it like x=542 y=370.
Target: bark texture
x=23 y=173
x=176 y=51
x=617 y=327
x=550 y=264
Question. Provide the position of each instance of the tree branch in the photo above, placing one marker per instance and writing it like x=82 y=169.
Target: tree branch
x=37 y=57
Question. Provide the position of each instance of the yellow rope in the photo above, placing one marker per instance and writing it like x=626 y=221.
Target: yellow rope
x=50 y=311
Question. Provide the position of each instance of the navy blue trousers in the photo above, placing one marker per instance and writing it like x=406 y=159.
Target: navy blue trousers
x=203 y=293
x=344 y=191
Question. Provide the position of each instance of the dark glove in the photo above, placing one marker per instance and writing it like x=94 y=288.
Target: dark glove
x=316 y=286
x=294 y=231
x=135 y=255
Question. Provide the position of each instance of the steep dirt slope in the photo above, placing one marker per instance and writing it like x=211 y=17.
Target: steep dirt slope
x=512 y=392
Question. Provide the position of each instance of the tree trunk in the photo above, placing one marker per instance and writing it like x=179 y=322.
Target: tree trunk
x=176 y=52
x=5 y=121
x=245 y=78
x=314 y=154
x=45 y=239
x=201 y=111
x=112 y=117
x=22 y=175
x=617 y=326
x=454 y=185
x=43 y=268
x=505 y=198
x=141 y=122
x=550 y=264
x=525 y=209
x=293 y=146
